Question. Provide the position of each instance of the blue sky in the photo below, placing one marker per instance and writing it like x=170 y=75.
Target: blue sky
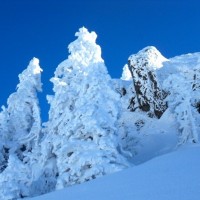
x=44 y=28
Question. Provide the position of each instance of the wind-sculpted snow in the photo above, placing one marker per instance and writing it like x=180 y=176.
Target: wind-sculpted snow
x=98 y=125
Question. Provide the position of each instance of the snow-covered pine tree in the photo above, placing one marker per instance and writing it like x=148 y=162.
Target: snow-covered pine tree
x=196 y=86
x=180 y=101
x=20 y=128
x=83 y=115
x=15 y=180
x=24 y=122
x=3 y=138
x=149 y=95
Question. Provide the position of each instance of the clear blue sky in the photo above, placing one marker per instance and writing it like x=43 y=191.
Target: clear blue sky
x=44 y=28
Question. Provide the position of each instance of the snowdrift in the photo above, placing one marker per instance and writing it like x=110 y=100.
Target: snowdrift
x=173 y=176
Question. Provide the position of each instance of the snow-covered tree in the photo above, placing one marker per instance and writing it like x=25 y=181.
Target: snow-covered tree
x=196 y=86
x=83 y=115
x=43 y=167
x=149 y=95
x=24 y=122
x=20 y=128
x=180 y=101
x=3 y=138
x=15 y=180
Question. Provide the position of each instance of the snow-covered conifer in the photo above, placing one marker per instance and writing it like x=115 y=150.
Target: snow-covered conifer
x=15 y=180
x=24 y=122
x=20 y=127
x=180 y=102
x=196 y=86
x=83 y=115
x=4 y=139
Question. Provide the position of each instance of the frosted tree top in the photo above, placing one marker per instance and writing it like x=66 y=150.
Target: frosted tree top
x=31 y=75
x=83 y=54
x=84 y=49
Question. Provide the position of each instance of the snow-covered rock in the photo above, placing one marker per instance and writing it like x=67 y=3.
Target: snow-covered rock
x=149 y=96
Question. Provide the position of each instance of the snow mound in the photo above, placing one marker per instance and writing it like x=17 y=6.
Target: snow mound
x=178 y=64
x=126 y=74
x=172 y=176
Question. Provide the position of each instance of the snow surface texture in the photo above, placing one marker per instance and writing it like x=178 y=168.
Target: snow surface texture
x=98 y=126
x=171 y=176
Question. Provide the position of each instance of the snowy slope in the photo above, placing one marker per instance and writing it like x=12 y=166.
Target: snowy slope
x=176 y=64
x=173 y=176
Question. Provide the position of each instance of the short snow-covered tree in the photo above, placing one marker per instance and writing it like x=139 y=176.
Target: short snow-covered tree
x=83 y=115
x=15 y=180
x=180 y=101
x=149 y=95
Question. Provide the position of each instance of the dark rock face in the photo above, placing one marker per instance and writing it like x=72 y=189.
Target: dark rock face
x=149 y=95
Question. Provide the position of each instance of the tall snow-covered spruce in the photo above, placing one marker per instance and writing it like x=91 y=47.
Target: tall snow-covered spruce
x=20 y=129
x=83 y=115
x=24 y=122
